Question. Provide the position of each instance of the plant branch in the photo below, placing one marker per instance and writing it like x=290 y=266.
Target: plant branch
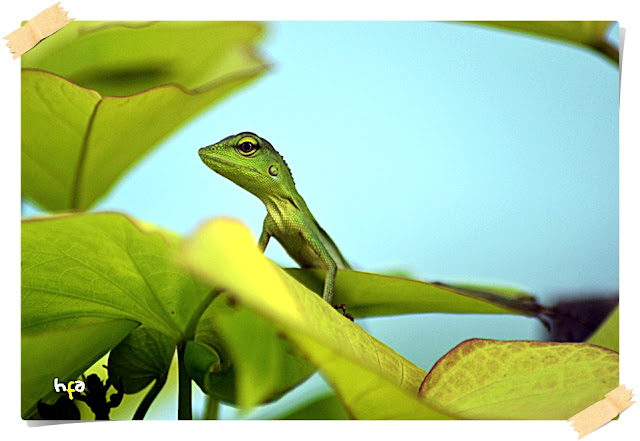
x=184 y=382
x=184 y=386
x=190 y=331
x=142 y=409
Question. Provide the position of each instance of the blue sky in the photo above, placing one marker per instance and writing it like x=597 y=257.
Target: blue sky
x=452 y=151
x=455 y=152
x=449 y=150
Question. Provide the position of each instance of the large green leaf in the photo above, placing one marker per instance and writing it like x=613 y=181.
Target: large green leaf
x=372 y=380
x=590 y=34
x=487 y=379
x=369 y=295
x=97 y=97
x=103 y=266
x=124 y=58
x=87 y=281
x=77 y=143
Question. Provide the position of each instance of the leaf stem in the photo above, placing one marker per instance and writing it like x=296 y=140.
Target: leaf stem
x=142 y=409
x=211 y=408
x=184 y=382
x=184 y=386
x=190 y=331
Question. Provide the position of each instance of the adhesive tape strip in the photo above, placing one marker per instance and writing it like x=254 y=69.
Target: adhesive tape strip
x=38 y=28
x=600 y=413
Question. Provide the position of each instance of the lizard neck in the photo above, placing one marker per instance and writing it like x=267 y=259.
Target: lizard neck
x=278 y=206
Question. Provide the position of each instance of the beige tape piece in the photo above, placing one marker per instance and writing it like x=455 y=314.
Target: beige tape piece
x=39 y=27
x=600 y=413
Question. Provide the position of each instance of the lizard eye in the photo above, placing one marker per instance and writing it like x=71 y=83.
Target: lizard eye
x=247 y=146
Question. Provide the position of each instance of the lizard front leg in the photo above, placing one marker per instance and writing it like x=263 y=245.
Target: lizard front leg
x=264 y=240
x=329 y=283
x=331 y=271
x=328 y=263
x=329 y=280
x=265 y=236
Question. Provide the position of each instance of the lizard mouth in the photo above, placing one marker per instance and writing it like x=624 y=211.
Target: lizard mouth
x=210 y=160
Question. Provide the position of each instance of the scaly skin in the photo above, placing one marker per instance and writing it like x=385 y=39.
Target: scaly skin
x=253 y=164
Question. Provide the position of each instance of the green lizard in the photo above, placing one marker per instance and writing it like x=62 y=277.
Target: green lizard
x=253 y=164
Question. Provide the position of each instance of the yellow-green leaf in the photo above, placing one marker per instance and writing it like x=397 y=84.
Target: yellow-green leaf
x=590 y=34
x=77 y=143
x=488 y=379
x=370 y=295
x=372 y=380
x=607 y=335
x=124 y=58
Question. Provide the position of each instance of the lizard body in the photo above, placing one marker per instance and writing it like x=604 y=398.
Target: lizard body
x=252 y=163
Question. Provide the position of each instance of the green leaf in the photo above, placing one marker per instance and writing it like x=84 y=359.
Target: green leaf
x=607 y=335
x=590 y=34
x=370 y=295
x=102 y=265
x=202 y=363
x=77 y=141
x=372 y=380
x=50 y=180
x=87 y=281
x=265 y=365
x=124 y=58
x=487 y=379
x=76 y=144
x=143 y=356
x=323 y=408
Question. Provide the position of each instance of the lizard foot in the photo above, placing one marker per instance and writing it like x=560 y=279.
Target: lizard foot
x=343 y=308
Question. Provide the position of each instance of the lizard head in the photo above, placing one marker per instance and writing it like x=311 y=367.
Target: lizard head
x=251 y=162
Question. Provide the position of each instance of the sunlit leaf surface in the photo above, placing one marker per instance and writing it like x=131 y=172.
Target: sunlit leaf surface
x=488 y=379
x=372 y=380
